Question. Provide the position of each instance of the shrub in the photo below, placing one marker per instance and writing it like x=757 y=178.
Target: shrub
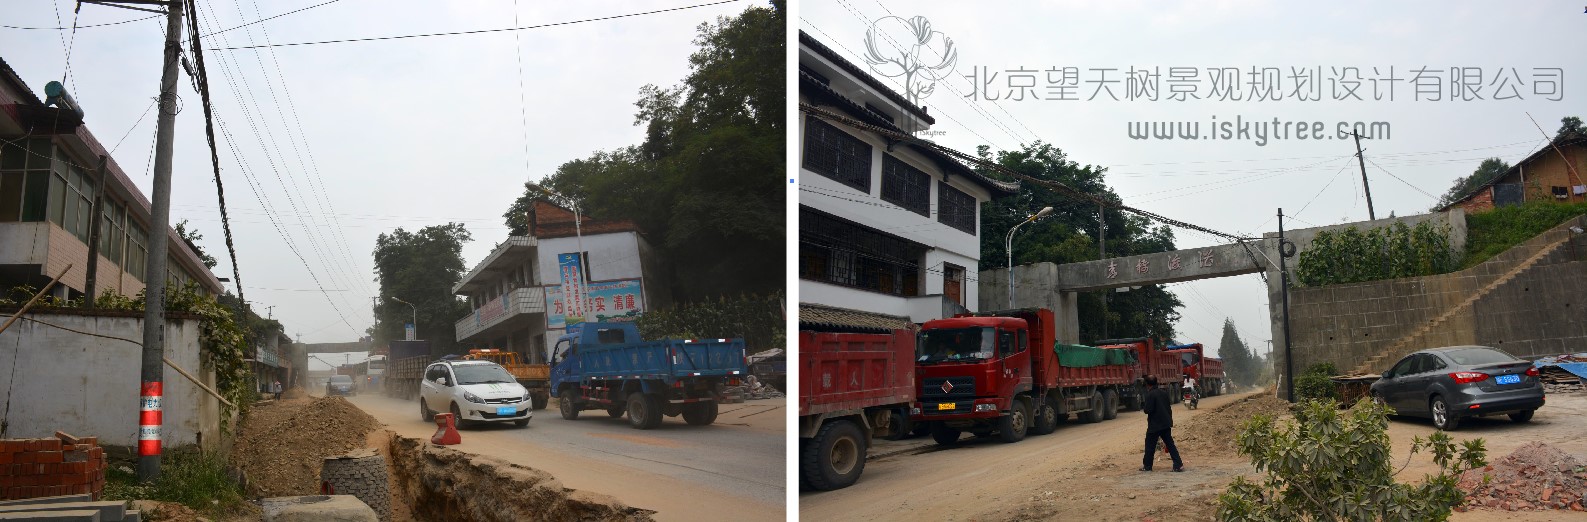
x=1314 y=383
x=1352 y=255
x=1490 y=233
x=1333 y=465
x=756 y=318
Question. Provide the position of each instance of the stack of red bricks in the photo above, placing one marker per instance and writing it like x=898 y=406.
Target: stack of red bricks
x=63 y=465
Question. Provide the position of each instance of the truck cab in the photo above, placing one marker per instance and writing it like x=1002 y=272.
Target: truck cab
x=565 y=354
x=974 y=374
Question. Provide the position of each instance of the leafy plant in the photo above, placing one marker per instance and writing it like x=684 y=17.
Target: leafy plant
x=196 y=479
x=758 y=319
x=1352 y=255
x=1314 y=383
x=1333 y=465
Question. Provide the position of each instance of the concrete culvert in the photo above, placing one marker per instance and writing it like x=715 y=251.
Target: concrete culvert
x=362 y=474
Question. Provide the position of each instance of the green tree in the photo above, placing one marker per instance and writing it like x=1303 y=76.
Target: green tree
x=705 y=186
x=1328 y=465
x=1570 y=125
x=1238 y=361
x=420 y=268
x=191 y=237
x=1488 y=170
x=1069 y=235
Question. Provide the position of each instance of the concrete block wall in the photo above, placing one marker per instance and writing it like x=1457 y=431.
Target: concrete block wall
x=1535 y=313
x=32 y=468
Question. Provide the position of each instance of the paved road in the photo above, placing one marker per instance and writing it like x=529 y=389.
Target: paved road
x=683 y=472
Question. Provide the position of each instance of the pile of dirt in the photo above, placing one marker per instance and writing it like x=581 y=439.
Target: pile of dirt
x=295 y=393
x=281 y=444
x=446 y=484
x=157 y=511
x=1214 y=432
x=1536 y=476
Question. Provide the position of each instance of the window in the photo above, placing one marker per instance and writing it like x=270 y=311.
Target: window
x=955 y=208
x=905 y=186
x=836 y=251
x=137 y=250
x=837 y=155
x=113 y=231
x=953 y=283
x=25 y=181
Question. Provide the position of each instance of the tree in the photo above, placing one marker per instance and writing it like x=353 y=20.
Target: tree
x=1238 y=361
x=1331 y=466
x=420 y=268
x=191 y=237
x=706 y=185
x=1069 y=235
x=1570 y=125
x=1488 y=170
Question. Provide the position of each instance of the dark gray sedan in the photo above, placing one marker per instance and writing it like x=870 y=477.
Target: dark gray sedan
x=1447 y=384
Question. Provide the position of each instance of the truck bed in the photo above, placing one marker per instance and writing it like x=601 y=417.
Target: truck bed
x=845 y=371
x=665 y=359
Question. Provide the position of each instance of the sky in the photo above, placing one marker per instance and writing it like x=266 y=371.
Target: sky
x=337 y=143
x=1529 y=53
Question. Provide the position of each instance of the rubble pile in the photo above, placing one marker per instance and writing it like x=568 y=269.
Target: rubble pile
x=281 y=444
x=1536 y=476
x=1561 y=373
x=1214 y=432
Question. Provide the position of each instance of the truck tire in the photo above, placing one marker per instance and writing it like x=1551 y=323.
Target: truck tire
x=540 y=399
x=1110 y=404
x=643 y=412
x=614 y=412
x=897 y=426
x=700 y=413
x=1011 y=428
x=944 y=435
x=1045 y=419
x=920 y=429
x=425 y=413
x=570 y=409
x=835 y=458
x=1095 y=413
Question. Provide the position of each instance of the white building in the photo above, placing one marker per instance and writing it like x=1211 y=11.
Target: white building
x=515 y=292
x=884 y=227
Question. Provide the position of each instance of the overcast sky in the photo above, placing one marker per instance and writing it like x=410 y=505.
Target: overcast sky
x=1235 y=185
x=346 y=141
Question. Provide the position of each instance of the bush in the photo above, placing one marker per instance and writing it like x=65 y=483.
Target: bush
x=1333 y=465
x=757 y=319
x=1314 y=383
x=1352 y=255
x=193 y=478
x=1490 y=233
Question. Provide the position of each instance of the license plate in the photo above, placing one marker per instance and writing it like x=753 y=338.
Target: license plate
x=945 y=406
x=507 y=410
x=1508 y=379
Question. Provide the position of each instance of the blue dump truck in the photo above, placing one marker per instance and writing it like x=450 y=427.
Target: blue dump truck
x=605 y=366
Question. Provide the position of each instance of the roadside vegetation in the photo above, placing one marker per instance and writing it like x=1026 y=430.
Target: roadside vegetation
x=1490 y=233
x=756 y=318
x=192 y=478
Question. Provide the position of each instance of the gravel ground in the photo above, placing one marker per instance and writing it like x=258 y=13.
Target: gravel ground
x=281 y=444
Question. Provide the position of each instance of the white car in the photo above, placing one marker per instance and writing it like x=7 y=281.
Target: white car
x=479 y=391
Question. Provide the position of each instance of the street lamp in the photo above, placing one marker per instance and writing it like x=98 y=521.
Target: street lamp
x=415 y=315
x=578 y=233
x=1008 y=247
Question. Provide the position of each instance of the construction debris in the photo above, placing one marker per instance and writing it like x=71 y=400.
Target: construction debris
x=1536 y=476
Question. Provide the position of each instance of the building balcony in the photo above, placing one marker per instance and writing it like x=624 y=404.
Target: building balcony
x=509 y=311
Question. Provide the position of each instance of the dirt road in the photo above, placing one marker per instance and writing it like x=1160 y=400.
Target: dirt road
x=1088 y=471
x=682 y=472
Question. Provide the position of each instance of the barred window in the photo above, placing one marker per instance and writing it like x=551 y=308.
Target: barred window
x=838 y=155
x=905 y=186
x=955 y=208
x=837 y=251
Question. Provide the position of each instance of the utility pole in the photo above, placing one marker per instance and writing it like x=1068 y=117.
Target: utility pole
x=1361 y=159
x=1102 y=253
x=1283 y=278
x=94 y=231
x=154 y=277
x=270 y=312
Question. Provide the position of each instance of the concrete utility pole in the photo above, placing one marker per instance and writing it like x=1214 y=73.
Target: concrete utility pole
x=1362 y=160
x=1283 y=281
x=154 y=275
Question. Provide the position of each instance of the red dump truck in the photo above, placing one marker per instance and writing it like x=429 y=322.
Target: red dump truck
x=1208 y=371
x=1001 y=372
x=852 y=386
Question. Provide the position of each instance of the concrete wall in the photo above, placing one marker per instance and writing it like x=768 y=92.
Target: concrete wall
x=1035 y=286
x=54 y=379
x=1536 y=312
x=612 y=256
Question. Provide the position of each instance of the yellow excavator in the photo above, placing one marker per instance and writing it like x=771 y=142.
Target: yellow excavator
x=535 y=377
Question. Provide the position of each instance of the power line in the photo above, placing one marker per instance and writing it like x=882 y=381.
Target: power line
x=134 y=125
x=202 y=82
x=271 y=18
x=57 y=21
x=476 y=31
x=1407 y=183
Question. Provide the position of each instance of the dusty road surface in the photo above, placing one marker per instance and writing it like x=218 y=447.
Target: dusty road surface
x=682 y=472
x=1089 y=471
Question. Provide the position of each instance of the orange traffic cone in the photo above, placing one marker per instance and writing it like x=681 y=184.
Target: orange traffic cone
x=446 y=430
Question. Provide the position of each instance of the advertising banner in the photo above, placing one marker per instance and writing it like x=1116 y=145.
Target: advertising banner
x=608 y=301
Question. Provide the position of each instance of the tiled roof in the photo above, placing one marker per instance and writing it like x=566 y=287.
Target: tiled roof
x=818 y=316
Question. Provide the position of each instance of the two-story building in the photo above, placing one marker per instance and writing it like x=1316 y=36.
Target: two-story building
x=50 y=173
x=885 y=227
x=515 y=293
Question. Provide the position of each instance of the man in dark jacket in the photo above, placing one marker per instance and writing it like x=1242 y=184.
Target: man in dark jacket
x=1159 y=424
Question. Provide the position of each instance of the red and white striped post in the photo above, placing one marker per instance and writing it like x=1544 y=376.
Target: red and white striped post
x=149 y=419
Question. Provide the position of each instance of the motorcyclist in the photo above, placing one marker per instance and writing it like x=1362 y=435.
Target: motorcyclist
x=1189 y=386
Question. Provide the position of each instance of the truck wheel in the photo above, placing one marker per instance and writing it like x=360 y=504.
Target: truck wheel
x=425 y=413
x=920 y=429
x=570 y=410
x=643 y=412
x=1045 y=419
x=1011 y=427
x=614 y=412
x=1110 y=404
x=540 y=400
x=1095 y=413
x=943 y=434
x=897 y=426
x=835 y=458
x=700 y=413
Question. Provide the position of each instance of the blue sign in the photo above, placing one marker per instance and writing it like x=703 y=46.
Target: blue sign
x=608 y=301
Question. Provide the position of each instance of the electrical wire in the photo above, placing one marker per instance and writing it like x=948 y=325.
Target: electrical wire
x=202 y=79
x=1407 y=183
x=152 y=101
x=57 y=21
x=271 y=18
x=476 y=31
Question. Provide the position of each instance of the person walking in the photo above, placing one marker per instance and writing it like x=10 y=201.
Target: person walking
x=275 y=388
x=1159 y=424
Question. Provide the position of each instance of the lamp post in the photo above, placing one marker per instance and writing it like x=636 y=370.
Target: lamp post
x=578 y=234
x=415 y=315
x=1008 y=247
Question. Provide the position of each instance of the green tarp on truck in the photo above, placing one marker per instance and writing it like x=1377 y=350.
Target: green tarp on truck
x=1081 y=356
